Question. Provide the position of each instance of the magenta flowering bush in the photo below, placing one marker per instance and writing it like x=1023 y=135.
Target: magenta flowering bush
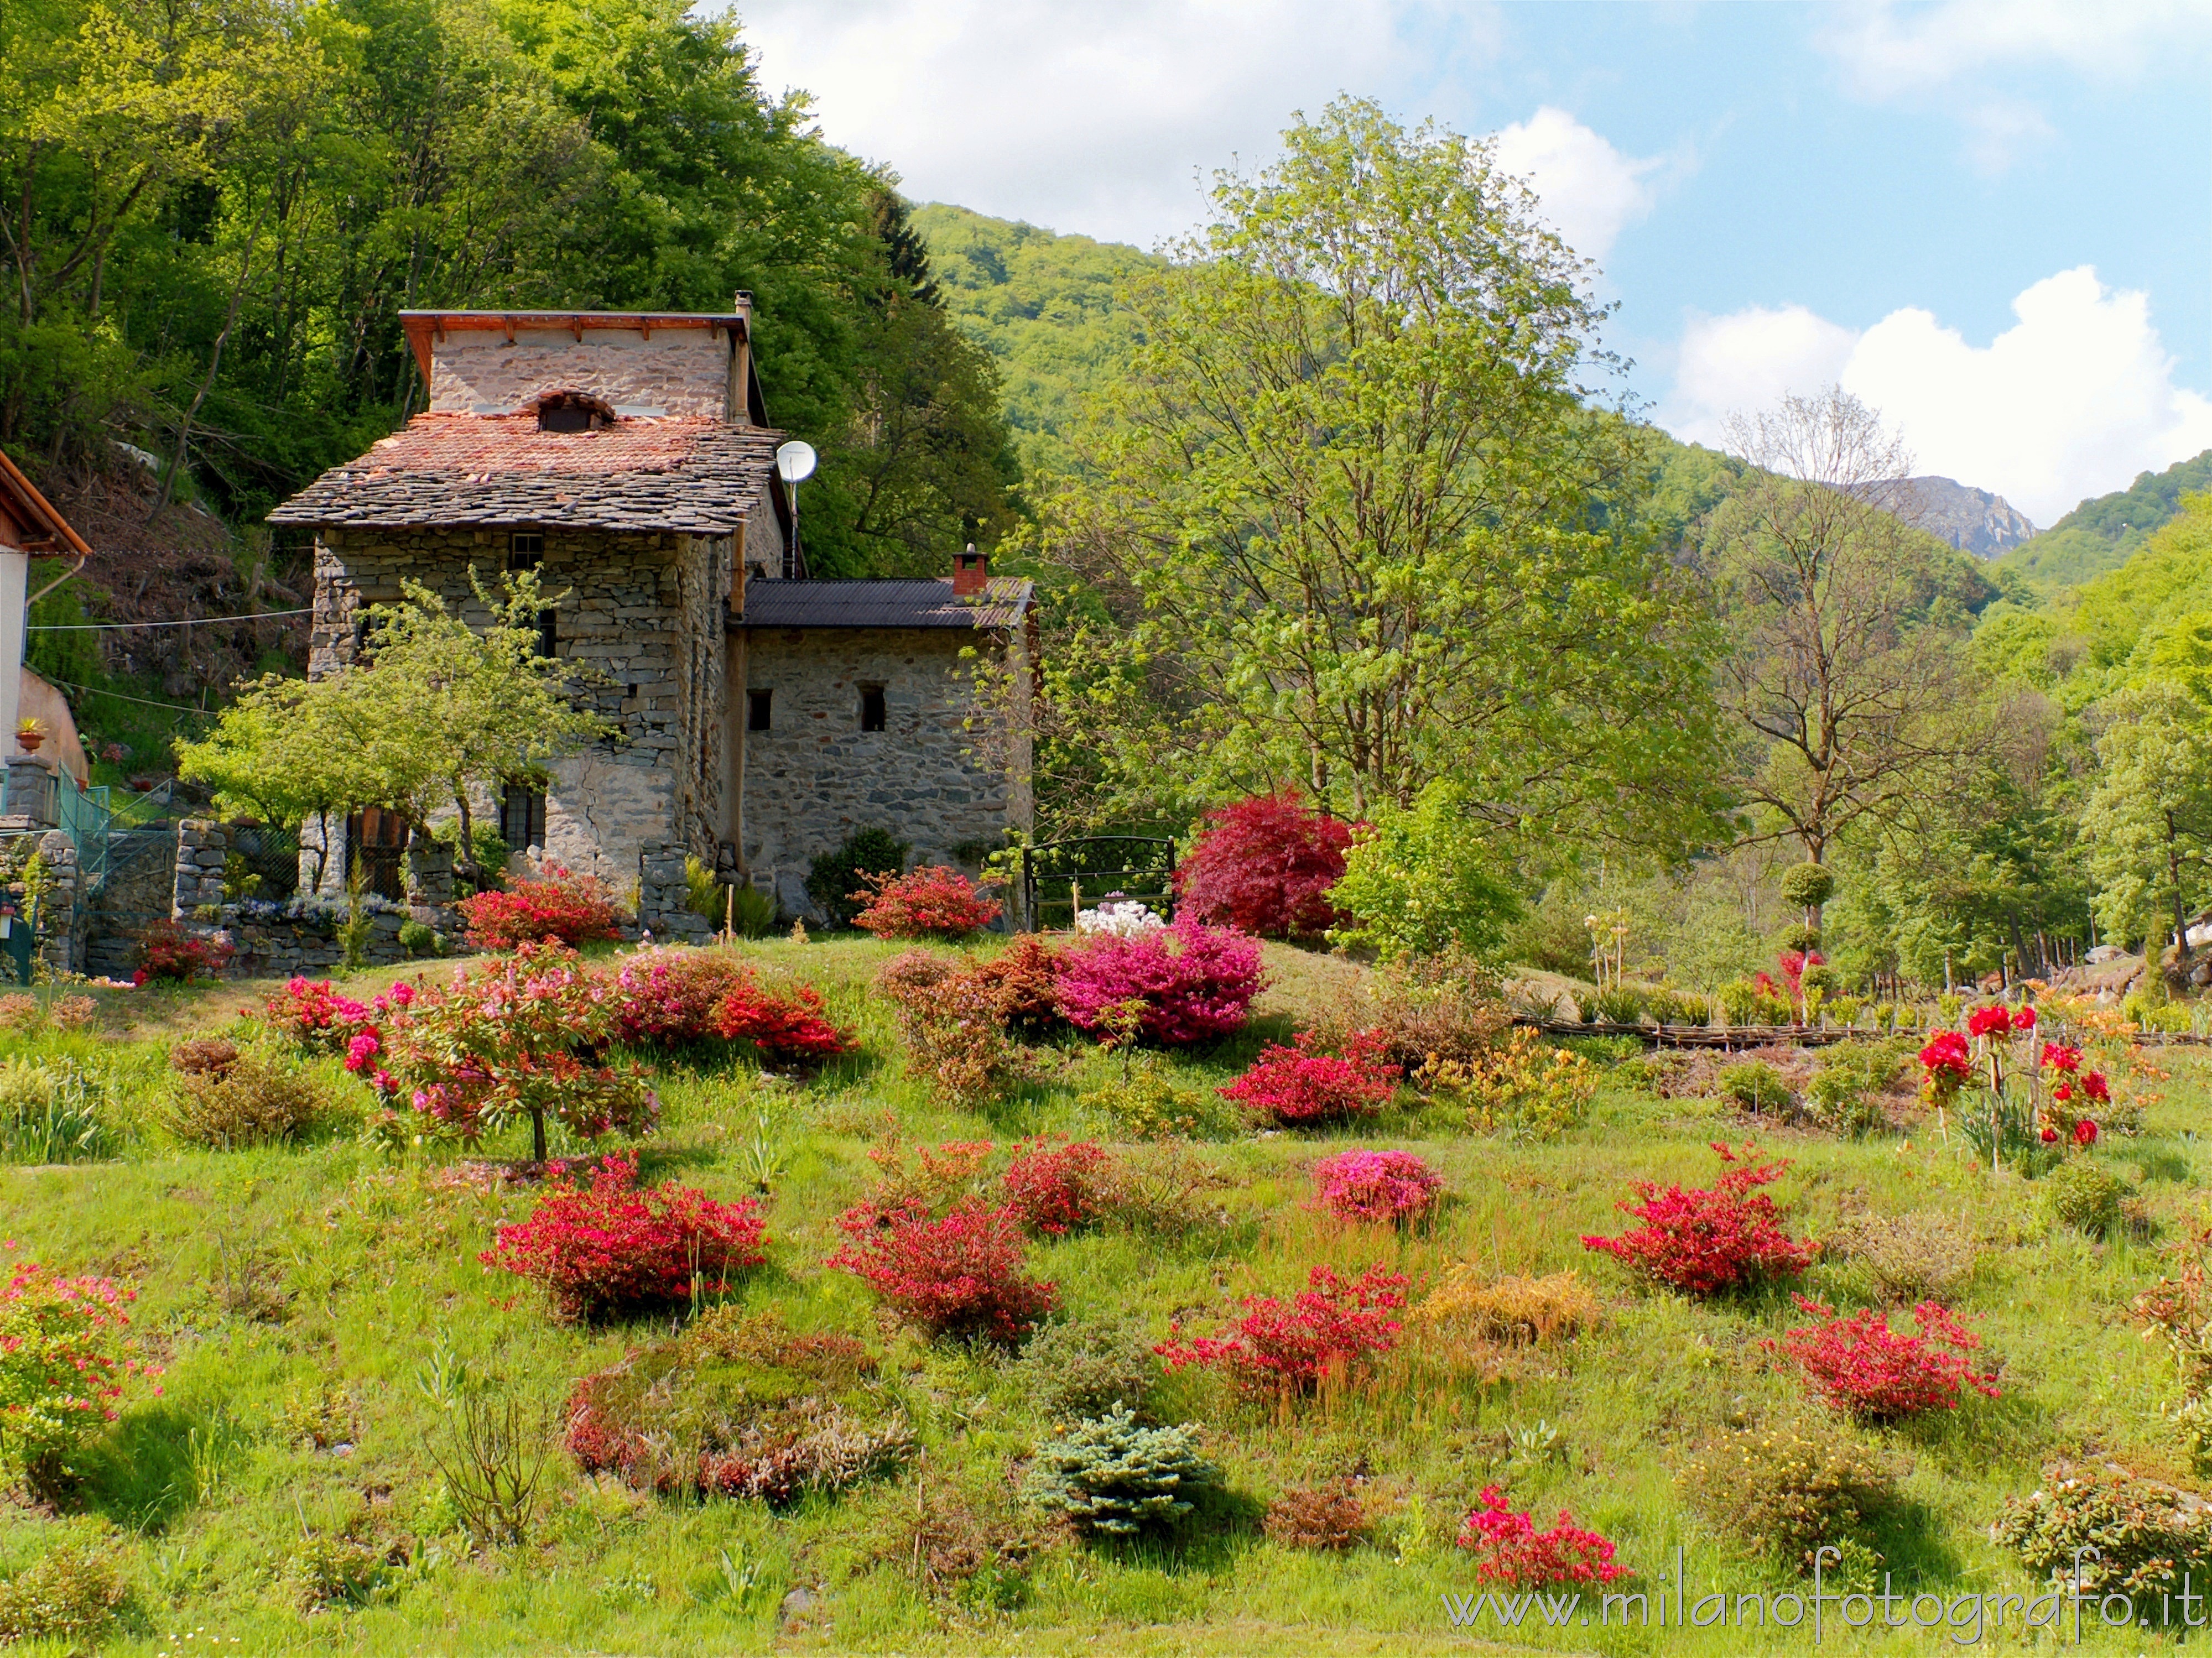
x=1381 y=1187
x=1194 y=983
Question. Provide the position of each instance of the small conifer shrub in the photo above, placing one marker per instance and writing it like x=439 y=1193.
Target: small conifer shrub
x=1111 y=1476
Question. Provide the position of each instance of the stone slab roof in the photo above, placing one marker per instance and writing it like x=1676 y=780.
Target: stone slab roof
x=452 y=471
x=925 y=603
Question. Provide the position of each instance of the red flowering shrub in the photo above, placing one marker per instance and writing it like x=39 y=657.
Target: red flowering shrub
x=2085 y=1134
x=788 y=1028
x=1703 y=1242
x=2057 y=1056
x=931 y=903
x=1333 y=1327
x=959 y=1275
x=614 y=1249
x=2023 y=1016
x=316 y=1016
x=522 y=1038
x=668 y=998
x=1990 y=1021
x=1793 y=964
x=1265 y=866
x=1946 y=1059
x=64 y=1362
x=1023 y=983
x=166 y=951
x=1384 y=1187
x=1056 y=1187
x=2094 y=1086
x=1196 y=982
x=559 y=905
x=1297 y=1086
x=1874 y=1373
x=1510 y=1551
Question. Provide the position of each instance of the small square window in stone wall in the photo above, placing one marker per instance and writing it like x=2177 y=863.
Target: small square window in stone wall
x=872 y=707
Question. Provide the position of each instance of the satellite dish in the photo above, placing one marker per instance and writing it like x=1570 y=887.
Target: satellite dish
x=794 y=462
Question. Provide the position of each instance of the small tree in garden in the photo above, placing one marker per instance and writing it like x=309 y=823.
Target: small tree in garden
x=1265 y=866
x=521 y=1038
x=615 y=1247
x=931 y=903
x=1334 y=1328
x=1298 y=1087
x=1874 y=1373
x=1420 y=879
x=1703 y=1242
x=1196 y=982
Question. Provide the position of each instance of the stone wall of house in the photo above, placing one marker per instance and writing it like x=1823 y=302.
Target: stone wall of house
x=642 y=613
x=814 y=777
x=673 y=371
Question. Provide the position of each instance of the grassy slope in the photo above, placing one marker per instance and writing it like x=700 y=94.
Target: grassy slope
x=377 y=1264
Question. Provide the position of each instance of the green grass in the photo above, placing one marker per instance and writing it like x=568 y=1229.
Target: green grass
x=269 y=1278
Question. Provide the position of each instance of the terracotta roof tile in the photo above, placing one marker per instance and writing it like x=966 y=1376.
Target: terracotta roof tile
x=699 y=476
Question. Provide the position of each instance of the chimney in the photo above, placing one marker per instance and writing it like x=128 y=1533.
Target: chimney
x=971 y=572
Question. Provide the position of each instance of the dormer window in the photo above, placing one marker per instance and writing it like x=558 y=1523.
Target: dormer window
x=566 y=411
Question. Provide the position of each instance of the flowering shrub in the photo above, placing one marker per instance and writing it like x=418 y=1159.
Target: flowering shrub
x=669 y=998
x=316 y=1016
x=1295 y=1086
x=1056 y=1187
x=788 y=1028
x=1265 y=866
x=931 y=902
x=614 y=1249
x=1869 y=1370
x=1947 y=1064
x=958 y=1275
x=1384 y=1187
x=1333 y=1327
x=1794 y=964
x=1509 y=1551
x=64 y=1362
x=1126 y=919
x=522 y=1038
x=1196 y=982
x=1023 y=982
x=558 y=905
x=1993 y=1020
x=2057 y=1056
x=1703 y=1241
x=166 y=951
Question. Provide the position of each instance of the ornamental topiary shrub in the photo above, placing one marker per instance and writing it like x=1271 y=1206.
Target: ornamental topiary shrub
x=934 y=901
x=958 y=1276
x=737 y=1406
x=559 y=904
x=1111 y=1476
x=1874 y=1373
x=1300 y=1086
x=615 y=1248
x=833 y=879
x=1191 y=983
x=1334 y=1327
x=1264 y=865
x=1703 y=1242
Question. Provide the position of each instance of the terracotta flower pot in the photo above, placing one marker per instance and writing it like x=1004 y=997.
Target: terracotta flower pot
x=29 y=741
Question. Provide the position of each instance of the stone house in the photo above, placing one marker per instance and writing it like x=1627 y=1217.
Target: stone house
x=763 y=717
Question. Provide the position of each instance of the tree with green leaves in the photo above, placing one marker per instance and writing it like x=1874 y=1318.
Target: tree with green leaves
x=2148 y=819
x=1344 y=493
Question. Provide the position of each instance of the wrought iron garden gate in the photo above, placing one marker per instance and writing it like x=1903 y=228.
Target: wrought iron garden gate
x=1063 y=876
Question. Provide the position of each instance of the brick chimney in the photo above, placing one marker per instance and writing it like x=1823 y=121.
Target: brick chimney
x=971 y=572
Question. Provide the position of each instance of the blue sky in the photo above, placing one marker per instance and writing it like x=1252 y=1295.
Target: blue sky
x=1993 y=220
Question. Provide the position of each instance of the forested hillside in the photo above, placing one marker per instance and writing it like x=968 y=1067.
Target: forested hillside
x=217 y=211
x=2098 y=535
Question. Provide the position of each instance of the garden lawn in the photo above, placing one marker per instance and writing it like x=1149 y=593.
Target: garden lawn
x=331 y=1292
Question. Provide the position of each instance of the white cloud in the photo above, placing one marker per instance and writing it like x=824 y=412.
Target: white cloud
x=1076 y=114
x=2072 y=401
x=1888 y=49
x=1590 y=191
